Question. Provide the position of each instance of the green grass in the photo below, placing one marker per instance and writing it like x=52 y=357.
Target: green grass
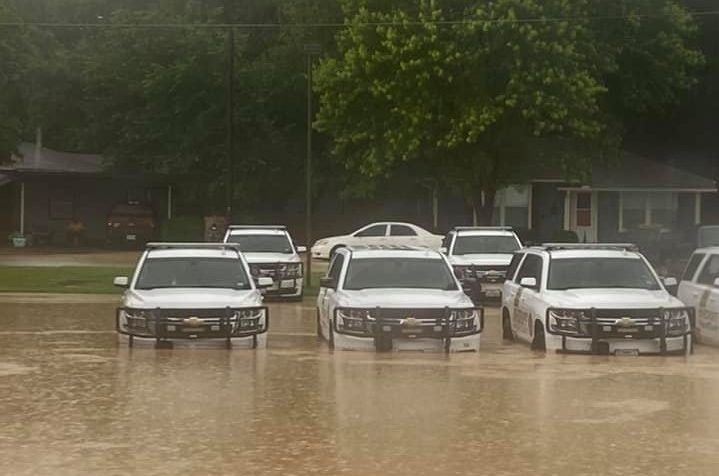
x=77 y=279
x=65 y=279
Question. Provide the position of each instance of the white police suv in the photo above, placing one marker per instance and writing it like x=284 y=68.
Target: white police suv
x=192 y=291
x=600 y=298
x=395 y=298
x=699 y=289
x=482 y=254
x=270 y=252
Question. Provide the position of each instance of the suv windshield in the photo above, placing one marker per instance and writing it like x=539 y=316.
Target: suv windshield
x=485 y=244
x=372 y=273
x=262 y=243
x=579 y=273
x=192 y=273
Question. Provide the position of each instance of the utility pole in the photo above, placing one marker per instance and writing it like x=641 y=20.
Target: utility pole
x=311 y=50
x=229 y=189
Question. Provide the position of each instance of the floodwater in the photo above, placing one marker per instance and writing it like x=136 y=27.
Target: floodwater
x=75 y=402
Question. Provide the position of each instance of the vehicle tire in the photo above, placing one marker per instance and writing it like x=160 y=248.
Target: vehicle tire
x=331 y=338
x=319 y=326
x=334 y=250
x=507 y=333
x=539 y=342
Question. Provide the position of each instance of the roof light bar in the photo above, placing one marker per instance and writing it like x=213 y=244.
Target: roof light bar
x=589 y=246
x=193 y=246
x=257 y=227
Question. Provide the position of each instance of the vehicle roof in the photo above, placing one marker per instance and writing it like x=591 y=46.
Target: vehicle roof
x=391 y=223
x=359 y=252
x=257 y=231
x=588 y=253
x=192 y=253
x=487 y=232
x=708 y=249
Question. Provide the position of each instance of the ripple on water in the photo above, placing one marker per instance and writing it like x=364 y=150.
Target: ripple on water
x=9 y=368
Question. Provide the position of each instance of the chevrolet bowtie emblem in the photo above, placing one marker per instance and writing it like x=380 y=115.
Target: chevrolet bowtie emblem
x=193 y=321
x=410 y=322
x=626 y=322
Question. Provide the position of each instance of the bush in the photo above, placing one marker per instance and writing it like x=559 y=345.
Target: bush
x=189 y=228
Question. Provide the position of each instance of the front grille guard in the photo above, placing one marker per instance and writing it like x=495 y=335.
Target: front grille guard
x=376 y=326
x=157 y=321
x=483 y=275
x=256 y=269
x=659 y=324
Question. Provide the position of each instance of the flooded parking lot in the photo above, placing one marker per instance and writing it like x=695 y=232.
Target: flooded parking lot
x=76 y=402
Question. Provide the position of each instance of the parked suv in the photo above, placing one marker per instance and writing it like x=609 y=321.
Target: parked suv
x=699 y=289
x=131 y=224
x=395 y=298
x=482 y=254
x=182 y=291
x=270 y=252
x=601 y=298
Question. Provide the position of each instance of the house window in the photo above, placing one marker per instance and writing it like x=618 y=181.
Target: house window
x=663 y=206
x=634 y=205
x=583 y=217
x=511 y=207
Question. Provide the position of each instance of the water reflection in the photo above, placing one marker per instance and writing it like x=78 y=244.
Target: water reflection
x=75 y=402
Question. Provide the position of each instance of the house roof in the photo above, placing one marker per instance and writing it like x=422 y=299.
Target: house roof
x=44 y=160
x=636 y=172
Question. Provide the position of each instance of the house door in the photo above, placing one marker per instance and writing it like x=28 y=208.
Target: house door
x=584 y=216
x=6 y=209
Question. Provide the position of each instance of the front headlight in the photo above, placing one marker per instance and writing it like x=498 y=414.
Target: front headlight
x=292 y=270
x=677 y=321
x=465 y=319
x=250 y=319
x=462 y=272
x=136 y=318
x=353 y=319
x=565 y=320
x=322 y=243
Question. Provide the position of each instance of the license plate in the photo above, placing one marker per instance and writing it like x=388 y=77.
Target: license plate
x=492 y=292
x=288 y=283
x=131 y=237
x=627 y=330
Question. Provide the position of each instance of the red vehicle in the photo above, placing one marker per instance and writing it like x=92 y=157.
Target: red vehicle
x=131 y=224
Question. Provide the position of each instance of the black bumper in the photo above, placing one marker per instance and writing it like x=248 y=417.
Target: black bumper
x=161 y=325
x=385 y=329
x=598 y=331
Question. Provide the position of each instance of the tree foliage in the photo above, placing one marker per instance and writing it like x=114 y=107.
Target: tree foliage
x=515 y=84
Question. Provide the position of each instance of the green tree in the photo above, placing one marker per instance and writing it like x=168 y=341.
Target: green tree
x=485 y=100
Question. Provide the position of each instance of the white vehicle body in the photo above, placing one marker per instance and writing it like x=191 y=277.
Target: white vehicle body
x=187 y=303
x=482 y=253
x=270 y=252
x=699 y=289
x=378 y=234
x=553 y=300
x=382 y=316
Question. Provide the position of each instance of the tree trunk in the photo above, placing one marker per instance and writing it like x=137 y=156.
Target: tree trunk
x=483 y=207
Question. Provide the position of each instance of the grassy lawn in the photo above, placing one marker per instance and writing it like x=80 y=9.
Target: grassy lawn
x=76 y=279
x=64 y=279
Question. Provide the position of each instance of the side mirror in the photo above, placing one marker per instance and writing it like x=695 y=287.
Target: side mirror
x=121 y=281
x=443 y=250
x=716 y=283
x=327 y=282
x=301 y=249
x=528 y=282
x=265 y=282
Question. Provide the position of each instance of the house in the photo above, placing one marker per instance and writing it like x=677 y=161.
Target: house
x=635 y=197
x=42 y=191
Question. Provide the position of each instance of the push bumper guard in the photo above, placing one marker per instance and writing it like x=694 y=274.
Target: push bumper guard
x=278 y=276
x=374 y=323
x=598 y=329
x=164 y=324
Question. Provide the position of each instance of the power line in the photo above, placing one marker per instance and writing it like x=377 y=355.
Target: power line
x=210 y=26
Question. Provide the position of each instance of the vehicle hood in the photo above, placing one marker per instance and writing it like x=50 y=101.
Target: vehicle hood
x=271 y=258
x=404 y=298
x=481 y=259
x=611 y=298
x=191 y=298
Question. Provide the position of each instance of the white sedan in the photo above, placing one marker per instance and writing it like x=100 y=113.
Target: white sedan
x=378 y=234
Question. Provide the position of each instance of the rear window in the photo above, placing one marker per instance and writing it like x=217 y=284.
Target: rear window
x=132 y=211
x=692 y=266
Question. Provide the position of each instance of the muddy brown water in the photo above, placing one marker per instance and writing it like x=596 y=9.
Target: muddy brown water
x=75 y=402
